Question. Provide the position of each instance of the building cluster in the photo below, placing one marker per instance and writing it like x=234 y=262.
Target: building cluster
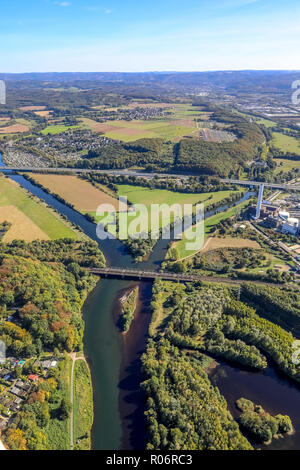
x=16 y=386
x=276 y=218
x=47 y=150
x=142 y=113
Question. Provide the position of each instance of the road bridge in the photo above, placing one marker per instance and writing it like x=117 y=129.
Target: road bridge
x=147 y=175
x=135 y=274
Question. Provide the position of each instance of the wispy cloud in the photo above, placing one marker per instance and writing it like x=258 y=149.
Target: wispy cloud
x=61 y=4
x=98 y=8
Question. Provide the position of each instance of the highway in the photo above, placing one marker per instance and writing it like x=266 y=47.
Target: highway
x=148 y=175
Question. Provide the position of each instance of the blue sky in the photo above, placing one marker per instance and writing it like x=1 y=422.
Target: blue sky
x=141 y=35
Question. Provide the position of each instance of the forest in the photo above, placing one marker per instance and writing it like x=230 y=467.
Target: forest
x=47 y=283
x=190 y=325
x=42 y=289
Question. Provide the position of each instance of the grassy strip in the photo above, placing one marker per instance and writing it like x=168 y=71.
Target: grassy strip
x=83 y=406
x=58 y=431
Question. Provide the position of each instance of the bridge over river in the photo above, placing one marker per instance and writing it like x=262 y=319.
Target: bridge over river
x=136 y=274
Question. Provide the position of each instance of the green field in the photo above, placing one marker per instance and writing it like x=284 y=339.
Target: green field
x=133 y=130
x=83 y=405
x=209 y=227
x=11 y=194
x=139 y=194
x=266 y=122
x=146 y=196
x=286 y=165
x=57 y=129
x=286 y=143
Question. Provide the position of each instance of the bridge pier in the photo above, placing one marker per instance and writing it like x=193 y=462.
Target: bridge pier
x=259 y=201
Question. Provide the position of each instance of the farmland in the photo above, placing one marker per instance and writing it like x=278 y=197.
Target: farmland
x=128 y=131
x=17 y=126
x=177 y=123
x=30 y=219
x=81 y=194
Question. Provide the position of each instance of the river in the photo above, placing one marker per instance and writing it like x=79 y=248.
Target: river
x=115 y=358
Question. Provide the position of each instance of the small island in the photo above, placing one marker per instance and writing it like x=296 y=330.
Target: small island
x=262 y=426
x=128 y=302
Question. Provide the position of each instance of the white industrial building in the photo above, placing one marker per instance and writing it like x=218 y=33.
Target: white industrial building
x=291 y=226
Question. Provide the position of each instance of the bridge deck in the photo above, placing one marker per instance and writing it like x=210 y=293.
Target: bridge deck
x=141 y=174
x=186 y=277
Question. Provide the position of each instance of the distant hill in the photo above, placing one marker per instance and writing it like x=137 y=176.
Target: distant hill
x=226 y=80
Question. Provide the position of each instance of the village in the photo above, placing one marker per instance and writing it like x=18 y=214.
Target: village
x=18 y=378
x=46 y=150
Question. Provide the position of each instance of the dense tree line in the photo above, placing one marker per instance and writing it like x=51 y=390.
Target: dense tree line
x=276 y=305
x=187 y=322
x=259 y=424
x=47 y=284
x=184 y=411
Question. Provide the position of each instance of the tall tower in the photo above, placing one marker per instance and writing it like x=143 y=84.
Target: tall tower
x=259 y=201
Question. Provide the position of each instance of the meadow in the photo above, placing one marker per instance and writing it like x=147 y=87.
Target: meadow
x=139 y=194
x=31 y=220
x=53 y=130
x=148 y=197
x=83 y=405
x=266 y=122
x=209 y=227
x=286 y=143
x=286 y=165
